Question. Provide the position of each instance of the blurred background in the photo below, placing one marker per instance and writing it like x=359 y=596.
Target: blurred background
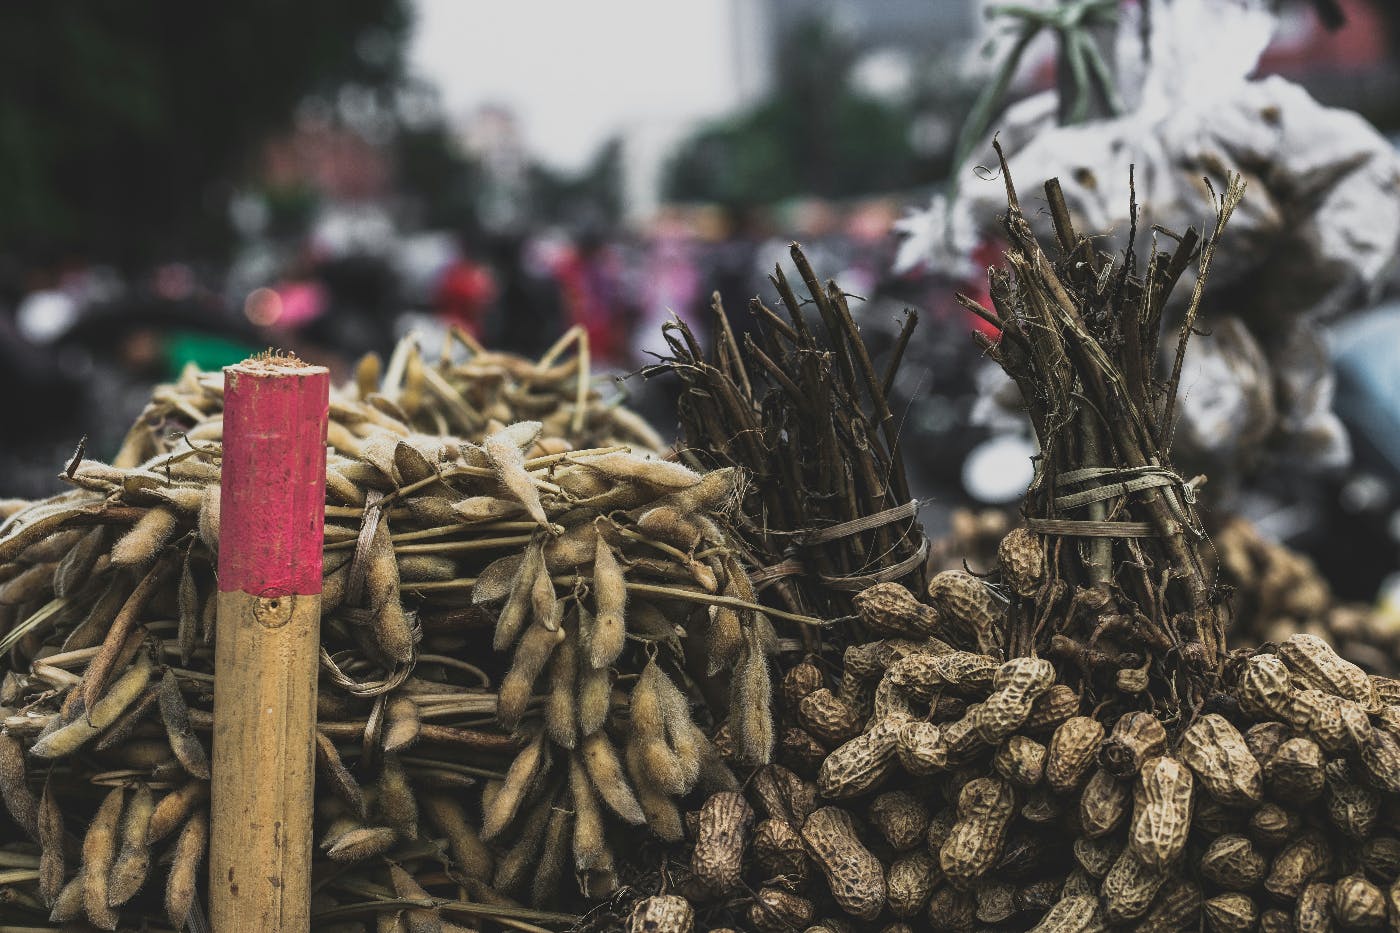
x=190 y=183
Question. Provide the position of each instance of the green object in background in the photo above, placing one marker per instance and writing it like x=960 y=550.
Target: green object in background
x=209 y=352
x=1087 y=72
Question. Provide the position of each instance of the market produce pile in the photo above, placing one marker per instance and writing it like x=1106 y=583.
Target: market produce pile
x=1278 y=591
x=1070 y=743
x=570 y=682
x=1275 y=591
x=507 y=684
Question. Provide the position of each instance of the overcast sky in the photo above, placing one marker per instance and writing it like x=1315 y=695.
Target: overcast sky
x=577 y=72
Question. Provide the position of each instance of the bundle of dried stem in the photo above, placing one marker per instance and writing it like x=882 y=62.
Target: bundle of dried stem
x=801 y=408
x=1127 y=594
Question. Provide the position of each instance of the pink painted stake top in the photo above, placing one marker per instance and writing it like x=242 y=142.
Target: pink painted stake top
x=272 y=504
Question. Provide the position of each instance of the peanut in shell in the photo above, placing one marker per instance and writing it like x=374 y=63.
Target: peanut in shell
x=1025 y=677
x=1313 y=912
x=1177 y=907
x=1039 y=896
x=1387 y=689
x=1074 y=914
x=1263 y=739
x=799 y=681
x=1129 y=887
x=1042 y=805
x=1079 y=883
x=1358 y=904
x=940 y=824
x=783 y=794
x=1023 y=854
x=1339 y=725
x=1073 y=749
x=831 y=720
x=1136 y=737
x=1380 y=857
x=996 y=901
x=910 y=883
x=1264 y=690
x=920 y=748
x=1297 y=864
x=1161 y=812
x=1234 y=862
x=859 y=692
x=1313 y=662
x=968 y=606
x=1104 y=804
x=869 y=661
x=889 y=610
x=921 y=675
x=1021 y=556
x=1271 y=825
x=1052 y=708
x=853 y=874
x=775 y=910
x=798 y=749
x=986 y=806
x=862 y=763
x=951 y=910
x=1350 y=806
x=1003 y=712
x=1294 y=772
x=778 y=850
x=1214 y=749
x=1231 y=912
x=717 y=860
x=661 y=913
x=1380 y=759
x=900 y=817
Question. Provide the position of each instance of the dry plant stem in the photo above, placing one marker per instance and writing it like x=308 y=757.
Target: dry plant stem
x=1234 y=193
x=498 y=913
x=1079 y=337
x=805 y=385
x=648 y=589
x=1100 y=549
x=1091 y=358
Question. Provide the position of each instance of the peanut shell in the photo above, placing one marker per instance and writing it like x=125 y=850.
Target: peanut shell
x=855 y=877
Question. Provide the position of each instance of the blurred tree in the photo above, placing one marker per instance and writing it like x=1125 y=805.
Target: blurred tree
x=590 y=198
x=443 y=182
x=814 y=134
x=125 y=124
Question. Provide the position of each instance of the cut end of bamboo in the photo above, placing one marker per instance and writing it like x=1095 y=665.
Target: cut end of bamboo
x=274 y=361
x=274 y=473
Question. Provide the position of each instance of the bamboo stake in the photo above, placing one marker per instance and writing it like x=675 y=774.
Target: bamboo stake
x=274 y=475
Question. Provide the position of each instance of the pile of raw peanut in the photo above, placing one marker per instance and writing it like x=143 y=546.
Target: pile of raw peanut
x=929 y=784
x=526 y=610
x=1279 y=591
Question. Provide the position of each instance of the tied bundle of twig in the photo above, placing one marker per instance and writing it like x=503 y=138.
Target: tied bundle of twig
x=801 y=408
x=1126 y=599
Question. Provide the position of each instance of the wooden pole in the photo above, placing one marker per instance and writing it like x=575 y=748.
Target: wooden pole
x=272 y=507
